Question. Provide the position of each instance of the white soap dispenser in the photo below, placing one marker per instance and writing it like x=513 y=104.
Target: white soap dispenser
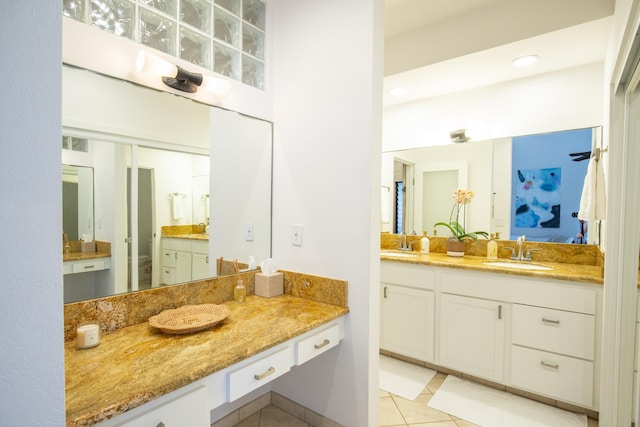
x=424 y=243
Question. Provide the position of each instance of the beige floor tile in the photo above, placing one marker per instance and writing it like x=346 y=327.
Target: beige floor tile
x=436 y=382
x=435 y=424
x=251 y=421
x=462 y=423
x=388 y=413
x=417 y=411
x=272 y=416
x=383 y=393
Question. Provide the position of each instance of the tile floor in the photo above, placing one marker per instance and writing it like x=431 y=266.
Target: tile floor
x=394 y=411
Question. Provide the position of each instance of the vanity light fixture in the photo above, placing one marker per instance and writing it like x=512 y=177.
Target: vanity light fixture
x=459 y=135
x=525 y=61
x=179 y=78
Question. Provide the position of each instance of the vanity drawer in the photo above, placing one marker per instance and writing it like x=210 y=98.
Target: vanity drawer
x=259 y=373
x=557 y=331
x=168 y=258
x=82 y=267
x=187 y=409
x=407 y=275
x=176 y=244
x=168 y=275
x=553 y=375
x=316 y=344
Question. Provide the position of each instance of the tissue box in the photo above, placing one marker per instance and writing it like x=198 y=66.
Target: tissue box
x=269 y=285
x=88 y=246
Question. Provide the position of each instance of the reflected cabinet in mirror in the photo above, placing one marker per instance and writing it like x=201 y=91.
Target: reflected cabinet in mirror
x=157 y=203
x=528 y=185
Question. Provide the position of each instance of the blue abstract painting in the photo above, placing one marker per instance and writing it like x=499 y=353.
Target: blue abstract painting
x=538 y=198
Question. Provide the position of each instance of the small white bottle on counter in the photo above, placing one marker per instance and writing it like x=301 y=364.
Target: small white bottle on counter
x=424 y=243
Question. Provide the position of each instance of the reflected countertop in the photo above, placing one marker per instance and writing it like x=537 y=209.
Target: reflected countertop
x=558 y=271
x=81 y=256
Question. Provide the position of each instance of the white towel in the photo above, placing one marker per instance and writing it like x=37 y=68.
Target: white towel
x=593 y=202
x=385 y=205
x=176 y=207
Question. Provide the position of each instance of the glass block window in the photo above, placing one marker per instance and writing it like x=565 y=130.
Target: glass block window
x=225 y=36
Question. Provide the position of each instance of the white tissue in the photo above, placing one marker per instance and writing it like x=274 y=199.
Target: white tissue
x=86 y=237
x=268 y=266
x=252 y=262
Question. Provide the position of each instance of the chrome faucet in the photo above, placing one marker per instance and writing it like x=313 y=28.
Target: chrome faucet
x=402 y=244
x=520 y=256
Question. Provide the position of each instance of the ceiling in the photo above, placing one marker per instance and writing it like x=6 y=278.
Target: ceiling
x=434 y=47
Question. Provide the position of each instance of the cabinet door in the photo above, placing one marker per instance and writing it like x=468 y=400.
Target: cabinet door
x=472 y=336
x=200 y=266
x=183 y=266
x=407 y=326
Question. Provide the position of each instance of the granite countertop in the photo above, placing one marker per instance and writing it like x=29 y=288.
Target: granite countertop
x=560 y=271
x=138 y=363
x=81 y=256
x=192 y=236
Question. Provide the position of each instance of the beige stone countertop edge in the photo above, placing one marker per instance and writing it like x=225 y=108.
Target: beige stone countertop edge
x=138 y=363
x=560 y=271
x=189 y=236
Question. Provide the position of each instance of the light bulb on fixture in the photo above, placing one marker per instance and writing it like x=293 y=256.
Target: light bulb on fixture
x=179 y=78
x=525 y=61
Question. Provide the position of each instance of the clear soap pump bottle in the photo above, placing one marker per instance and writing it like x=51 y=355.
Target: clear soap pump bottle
x=492 y=248
x=239 y=292
x=424 y=243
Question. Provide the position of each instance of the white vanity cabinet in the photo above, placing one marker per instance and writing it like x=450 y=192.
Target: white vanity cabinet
x=184 y=260
x=552 y=353
x=200 y=260
x=535 y=334
x=407 y=311
x=472 y=335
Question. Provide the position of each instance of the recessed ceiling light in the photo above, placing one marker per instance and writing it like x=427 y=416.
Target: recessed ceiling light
x=525 y=61
x=397 y=91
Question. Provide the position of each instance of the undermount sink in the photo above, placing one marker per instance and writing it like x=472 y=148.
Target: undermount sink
x=399 y=254
x=517 y=265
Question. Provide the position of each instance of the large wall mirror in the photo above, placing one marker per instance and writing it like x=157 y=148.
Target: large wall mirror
x=417 y=185
x=158 y=164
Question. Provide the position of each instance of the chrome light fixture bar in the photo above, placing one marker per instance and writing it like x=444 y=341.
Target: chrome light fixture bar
x=179 y=78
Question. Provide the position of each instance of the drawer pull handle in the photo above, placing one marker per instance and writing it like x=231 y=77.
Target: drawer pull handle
x=385 y=291
x=554 y=322
x=549 y=365
x=322 y=344
x=500 y=312
x=88 y=266
x=265 y=374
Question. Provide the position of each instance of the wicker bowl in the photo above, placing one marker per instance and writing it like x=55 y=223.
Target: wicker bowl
x=189 y=318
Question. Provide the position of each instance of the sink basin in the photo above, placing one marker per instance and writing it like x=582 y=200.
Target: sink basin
x=517 y=265
x=399 y=254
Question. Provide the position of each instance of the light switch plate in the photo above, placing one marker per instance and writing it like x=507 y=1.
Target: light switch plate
x=296 y=235
x=248 y=232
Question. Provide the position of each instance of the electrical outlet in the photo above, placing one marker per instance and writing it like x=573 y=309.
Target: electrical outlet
x=248 y=232
x=296 y=235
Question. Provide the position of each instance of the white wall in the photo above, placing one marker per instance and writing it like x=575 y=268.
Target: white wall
x=32 y=370
x=328 y=79
x=567 y=99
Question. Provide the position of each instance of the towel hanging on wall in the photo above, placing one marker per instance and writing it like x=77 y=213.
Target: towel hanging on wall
x=176 y=205
x=593 y=202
